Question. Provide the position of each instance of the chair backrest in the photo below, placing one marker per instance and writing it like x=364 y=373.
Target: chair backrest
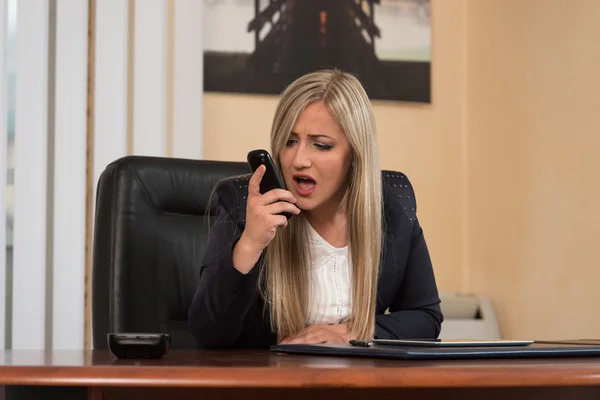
x=150 y=235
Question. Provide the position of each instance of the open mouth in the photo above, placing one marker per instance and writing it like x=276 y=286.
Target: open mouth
x=304 y=185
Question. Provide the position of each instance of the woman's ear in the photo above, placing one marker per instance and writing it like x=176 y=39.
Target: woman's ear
x=352 y=162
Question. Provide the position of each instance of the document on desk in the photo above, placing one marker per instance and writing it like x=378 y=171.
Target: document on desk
x=581 y=342
x=452 y=342
x=535 y=350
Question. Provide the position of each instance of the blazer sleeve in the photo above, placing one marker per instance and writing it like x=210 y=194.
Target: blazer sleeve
x=415 y=312
x=224 y=295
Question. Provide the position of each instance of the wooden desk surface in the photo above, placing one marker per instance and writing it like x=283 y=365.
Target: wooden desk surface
x=263 y=369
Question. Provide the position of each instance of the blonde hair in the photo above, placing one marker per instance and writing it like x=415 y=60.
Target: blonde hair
x=284 y=276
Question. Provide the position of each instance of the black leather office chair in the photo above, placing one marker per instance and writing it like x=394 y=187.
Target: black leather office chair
x=150 y=236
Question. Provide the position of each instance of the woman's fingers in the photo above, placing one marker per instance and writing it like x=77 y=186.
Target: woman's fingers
x=254 y=183
x=280 y=207
x=276 y=195
x=263 y=211
x=280 y=221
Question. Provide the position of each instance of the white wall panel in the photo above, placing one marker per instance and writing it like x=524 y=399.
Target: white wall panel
x=187 y=79
x=3 y=166
x=70 y=144
x=133 y=89
x=30 y=214
x=150 y=78
x=110 y=86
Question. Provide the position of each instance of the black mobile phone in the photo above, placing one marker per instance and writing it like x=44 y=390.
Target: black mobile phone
x=139 y=345
x=271 y=179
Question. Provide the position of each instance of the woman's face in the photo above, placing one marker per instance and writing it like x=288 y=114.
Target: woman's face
x=316 y=160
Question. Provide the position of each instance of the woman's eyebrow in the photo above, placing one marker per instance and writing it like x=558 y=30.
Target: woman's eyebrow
x=314 y=136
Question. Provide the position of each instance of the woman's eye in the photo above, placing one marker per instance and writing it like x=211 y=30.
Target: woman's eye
x=291 y=142
x=322 y=146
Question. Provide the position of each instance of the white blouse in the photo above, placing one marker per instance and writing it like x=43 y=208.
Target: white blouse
x=330 y=279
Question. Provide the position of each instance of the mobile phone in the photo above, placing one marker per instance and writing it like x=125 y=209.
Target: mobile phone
x=139 y=345
x=271 y=179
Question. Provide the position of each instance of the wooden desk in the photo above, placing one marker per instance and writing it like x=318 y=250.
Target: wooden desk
x=264 y=375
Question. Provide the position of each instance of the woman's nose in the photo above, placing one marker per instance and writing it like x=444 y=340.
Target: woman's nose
x=301 y=158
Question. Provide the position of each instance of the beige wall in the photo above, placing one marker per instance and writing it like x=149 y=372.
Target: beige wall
x=533 y=168
x=502 y=160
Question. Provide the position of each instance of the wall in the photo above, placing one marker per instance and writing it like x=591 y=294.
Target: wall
x=533 y=139
x=423 y=141
x=504 y=160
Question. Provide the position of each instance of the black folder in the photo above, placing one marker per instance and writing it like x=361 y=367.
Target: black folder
x=535 y=350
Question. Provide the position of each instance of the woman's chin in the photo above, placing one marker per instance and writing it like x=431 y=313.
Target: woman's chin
x=304 y=205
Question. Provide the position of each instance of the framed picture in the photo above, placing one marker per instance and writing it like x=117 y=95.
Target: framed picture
x=260 y=46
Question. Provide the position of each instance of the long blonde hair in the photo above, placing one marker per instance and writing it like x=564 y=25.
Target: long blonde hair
x=284 y=276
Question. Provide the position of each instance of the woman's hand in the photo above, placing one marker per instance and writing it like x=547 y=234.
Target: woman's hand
x=316 y=334
x=262 y=220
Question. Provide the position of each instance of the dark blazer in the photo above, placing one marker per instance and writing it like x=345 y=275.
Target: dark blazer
x=227 y=310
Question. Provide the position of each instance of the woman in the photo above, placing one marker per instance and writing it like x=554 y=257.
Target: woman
x=352 y=249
